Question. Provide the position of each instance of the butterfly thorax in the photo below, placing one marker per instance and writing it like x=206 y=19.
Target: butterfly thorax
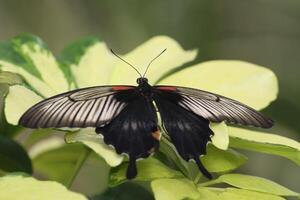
x=144 y=87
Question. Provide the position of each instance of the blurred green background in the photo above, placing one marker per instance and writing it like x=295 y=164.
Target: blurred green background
x=265 y=32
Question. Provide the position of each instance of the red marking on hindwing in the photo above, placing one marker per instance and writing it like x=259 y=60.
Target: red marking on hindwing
x=118 y=88
x=168 y=88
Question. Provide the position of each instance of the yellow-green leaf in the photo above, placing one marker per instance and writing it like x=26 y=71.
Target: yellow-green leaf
x=140 y=57
x=148 y=169
x=265 y=143
x=46 y=64
x=63 y=158
x=10 y=78
x=17 y=101
x=217 y=160
x=170 y=153
x=175 y=189
x=95 y=66
x=221 y=137
x=206 y=194
x=232 y=194
x=45 y=144
x=256 y=184
x=89 y=137
x=35 y=63
x=15 y=187
x=248 y=83
x=32 y=80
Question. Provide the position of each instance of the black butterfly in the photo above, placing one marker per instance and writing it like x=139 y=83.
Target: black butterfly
x=126 y=116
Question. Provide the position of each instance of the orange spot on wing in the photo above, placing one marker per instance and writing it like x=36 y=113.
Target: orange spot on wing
x=156 y=135
x=118 y=88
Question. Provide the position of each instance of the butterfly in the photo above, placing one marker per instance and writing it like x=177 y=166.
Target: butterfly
x=126 y=117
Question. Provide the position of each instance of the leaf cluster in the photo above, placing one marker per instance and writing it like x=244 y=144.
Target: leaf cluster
x=29 y=72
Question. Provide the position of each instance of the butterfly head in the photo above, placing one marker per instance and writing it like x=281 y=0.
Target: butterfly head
x=142 y=81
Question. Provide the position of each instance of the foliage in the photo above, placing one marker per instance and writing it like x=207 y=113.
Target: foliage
x=16 y=186
x=33 y=73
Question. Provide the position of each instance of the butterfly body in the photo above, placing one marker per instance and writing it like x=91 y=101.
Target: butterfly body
x=135 y=131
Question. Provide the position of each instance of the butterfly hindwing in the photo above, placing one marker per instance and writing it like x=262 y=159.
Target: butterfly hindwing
x=188 y=132
x=133 y=132
x=87 y=107
x=217 y=108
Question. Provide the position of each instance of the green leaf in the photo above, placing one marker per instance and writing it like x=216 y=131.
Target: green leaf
x=251 y=84
x=148 y=169
x=175 y=189
x=17 y=101
x=5 y=128
x=239 y=194
x=95 y=142
x=217 y=160
x=90 y=61
x=10 y=78
x=206 y=194
x=171 y=155
x=265 y=143
x=174 y=57
x=13 y=157
x=14 y=187
x=256 y=184
x=253 y=183
x=40 y=135
x=63 y=158
x=72 y=55
x=11 y=52
x=42 y=141
x=28 y=56
x=125 y=192
x=221 y=137
x=76 y=162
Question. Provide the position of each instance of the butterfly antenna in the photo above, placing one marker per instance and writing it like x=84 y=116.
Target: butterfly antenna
x=125 y=62
x=153 y=60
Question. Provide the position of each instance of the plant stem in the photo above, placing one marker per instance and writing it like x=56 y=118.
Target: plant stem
x=197 y=178
x=85 y=154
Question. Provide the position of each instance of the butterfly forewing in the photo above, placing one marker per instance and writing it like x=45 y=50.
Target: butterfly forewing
x=87 y=107
x=216 y=108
